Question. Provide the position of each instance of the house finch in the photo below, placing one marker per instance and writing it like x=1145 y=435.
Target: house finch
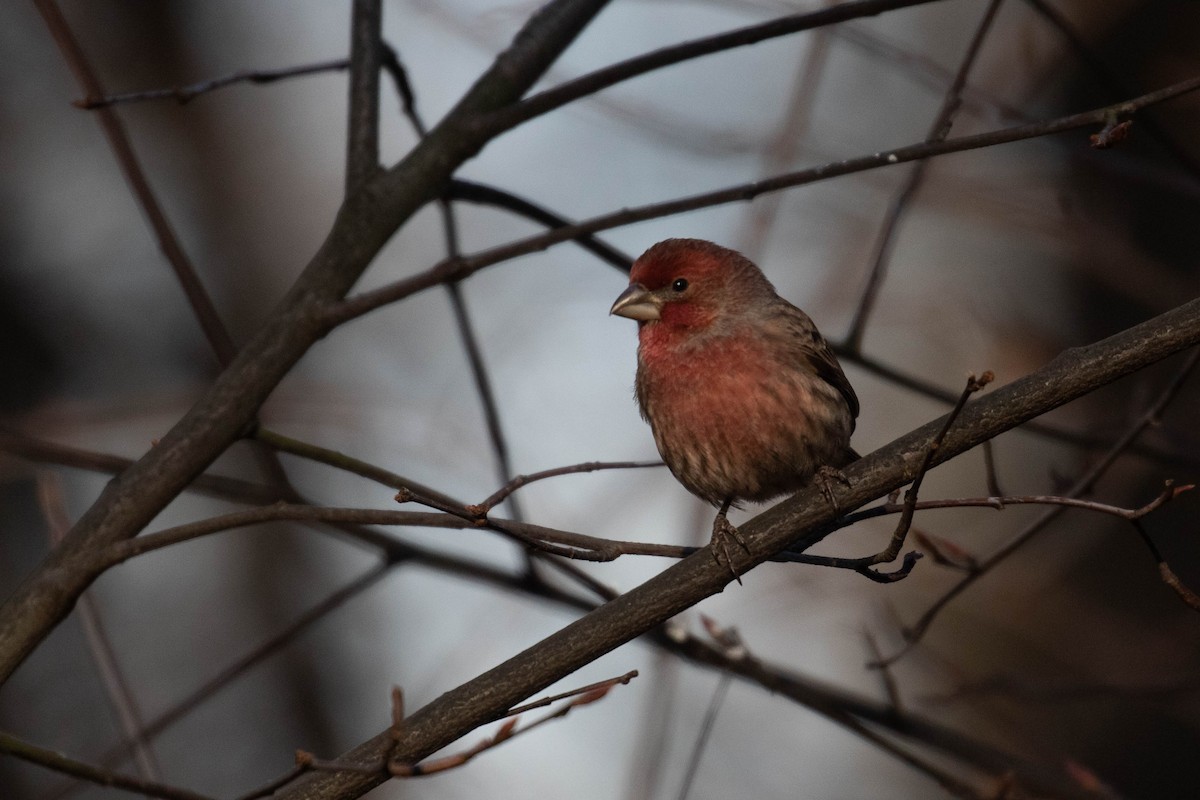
x=744 y=396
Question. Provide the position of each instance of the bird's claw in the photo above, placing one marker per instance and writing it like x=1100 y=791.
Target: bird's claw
x=723 y=530
x=825 y=477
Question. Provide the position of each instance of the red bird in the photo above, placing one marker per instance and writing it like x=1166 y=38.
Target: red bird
x=744 y=396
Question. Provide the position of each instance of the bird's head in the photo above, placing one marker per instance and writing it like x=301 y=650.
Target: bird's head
x=690 y=283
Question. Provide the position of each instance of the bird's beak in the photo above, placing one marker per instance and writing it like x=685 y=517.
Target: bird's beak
x=636 y=302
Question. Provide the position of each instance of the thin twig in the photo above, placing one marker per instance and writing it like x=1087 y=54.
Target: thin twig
x=992 y=479
x=184 y=94
x=1112 y=82
x=58 y=762
x=569 y=91
x=780 y=151
x=938 y=130
x=254 y=657
x=1083 y=439
x=462 y=318
x=333 y=458
x=489 y=195
x=591 y=687
x=705 y=733
x=198 y=298
x=510 y=729
x=521 y=481
x=116 y=686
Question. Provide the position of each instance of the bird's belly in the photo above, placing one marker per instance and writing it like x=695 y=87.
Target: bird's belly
x=752 y=435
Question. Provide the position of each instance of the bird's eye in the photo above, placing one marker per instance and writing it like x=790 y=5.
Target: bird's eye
x=679 y=285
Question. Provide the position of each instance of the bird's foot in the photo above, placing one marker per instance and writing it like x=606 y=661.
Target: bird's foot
x=723 y=531
x=825 y=477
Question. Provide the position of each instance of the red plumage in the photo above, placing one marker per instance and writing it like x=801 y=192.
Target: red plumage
x=744 y=396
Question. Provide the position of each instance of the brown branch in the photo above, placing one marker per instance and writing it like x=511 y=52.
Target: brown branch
x=104 y=656
x=338 y=460
x=1170 y=492
x=938 y=131
x=856 y=714
x=184 y=94
x=457 y=269
x=389 y=766
x=591 y=688
x=124 y=550
x=199 y=299
x=45 y=452
x=1072 y=374
x=521 y=481
x=68 y=766
x=1078 y=438
x=362 y=137
x=489 y=195
x=585 y=85
x=261 y=652
x=1112 y=82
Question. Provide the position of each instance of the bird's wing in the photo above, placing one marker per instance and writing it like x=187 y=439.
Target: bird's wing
x=810 y=349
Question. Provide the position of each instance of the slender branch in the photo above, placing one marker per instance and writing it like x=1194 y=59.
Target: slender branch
x=121 y=551
x=704 y=733
x=199 y=299
x=1112 y=82
x=488 y=195
x=68 y=766
x=362 y=138
x=260 y=653
x=45 y=452
x=104 y=657
x=1078 y=438
x=1165 y=573
x=185 y=94
x=851 y=711
x=338 y=460
x=938 y=130
x=457 y=269
x=582 y=690
x=564 y=93
x=521 y=481
x=458 y=304
x=1001 y=502
x=909 y=507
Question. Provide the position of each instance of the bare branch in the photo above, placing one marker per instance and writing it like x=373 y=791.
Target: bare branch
x=185 y=94
x=591 y=83
x=112 y=677
x=197 y=296
x=101 y=777
x=524 y=480
x=938 y=131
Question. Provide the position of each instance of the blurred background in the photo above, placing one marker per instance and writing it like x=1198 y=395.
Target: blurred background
x=1072 y=651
